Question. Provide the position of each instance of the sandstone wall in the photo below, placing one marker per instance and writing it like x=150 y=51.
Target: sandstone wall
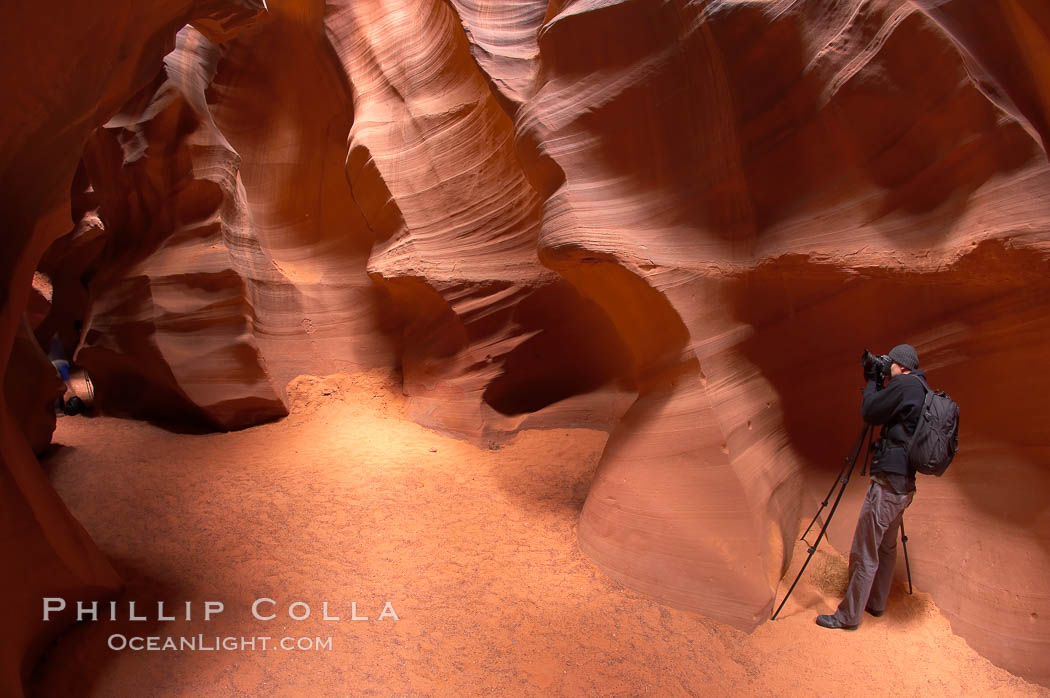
x=66 y=70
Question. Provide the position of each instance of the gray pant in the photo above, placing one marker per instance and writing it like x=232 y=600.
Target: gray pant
x=874 y=553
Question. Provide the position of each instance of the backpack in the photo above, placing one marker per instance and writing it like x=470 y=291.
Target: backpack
x=936 y=439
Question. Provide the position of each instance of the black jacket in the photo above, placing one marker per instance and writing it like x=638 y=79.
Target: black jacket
x=896 y=407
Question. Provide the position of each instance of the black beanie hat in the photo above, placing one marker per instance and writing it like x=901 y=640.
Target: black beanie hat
x=905 y=355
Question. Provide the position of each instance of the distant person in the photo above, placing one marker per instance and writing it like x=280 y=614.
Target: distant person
x=874 y=553
x=57 y=354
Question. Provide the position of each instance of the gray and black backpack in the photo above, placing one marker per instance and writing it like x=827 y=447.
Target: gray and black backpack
x=936 y=438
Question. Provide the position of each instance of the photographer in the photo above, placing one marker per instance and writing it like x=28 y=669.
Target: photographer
x=874 y=553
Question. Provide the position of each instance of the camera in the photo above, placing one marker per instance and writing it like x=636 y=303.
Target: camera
x=876 y=366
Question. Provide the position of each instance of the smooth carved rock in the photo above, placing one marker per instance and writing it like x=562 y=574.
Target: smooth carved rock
x=33 y=385
x=170 y=335
x=686 y=156
x=1006 y=48
x=53 y=104
x=502 y=36
x=287 y=114
x=485 y=333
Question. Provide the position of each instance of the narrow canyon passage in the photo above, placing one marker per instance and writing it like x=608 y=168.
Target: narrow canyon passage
x=349 y=502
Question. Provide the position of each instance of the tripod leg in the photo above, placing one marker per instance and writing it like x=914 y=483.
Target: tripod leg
x=867 y=453
x=904 y=544
x=848 y=462
x=776 y=613
x=827 y=497
x=852 y=462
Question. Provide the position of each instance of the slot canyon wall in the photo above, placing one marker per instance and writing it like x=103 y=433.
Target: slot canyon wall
x=680 y=222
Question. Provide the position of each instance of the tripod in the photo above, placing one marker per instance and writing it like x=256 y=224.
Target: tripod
x=866 y=433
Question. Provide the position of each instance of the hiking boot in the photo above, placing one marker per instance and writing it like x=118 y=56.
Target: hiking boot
x=834 y=623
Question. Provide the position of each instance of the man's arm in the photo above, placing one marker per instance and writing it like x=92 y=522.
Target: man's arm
x=878 y=406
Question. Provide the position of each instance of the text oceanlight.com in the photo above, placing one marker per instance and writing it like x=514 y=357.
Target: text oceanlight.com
x=215 y=643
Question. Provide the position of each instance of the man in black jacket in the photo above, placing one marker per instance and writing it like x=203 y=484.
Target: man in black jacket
x=874 y=553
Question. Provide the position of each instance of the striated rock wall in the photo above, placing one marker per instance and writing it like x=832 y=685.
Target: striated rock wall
x=679 y=221
x=33 y=385
x=55 y=99
x=287 y=114
x=977 y=536
x=837 y=155
x=171 y=327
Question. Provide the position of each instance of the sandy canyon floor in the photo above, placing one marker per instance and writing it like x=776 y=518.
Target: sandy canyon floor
x=346 y=501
